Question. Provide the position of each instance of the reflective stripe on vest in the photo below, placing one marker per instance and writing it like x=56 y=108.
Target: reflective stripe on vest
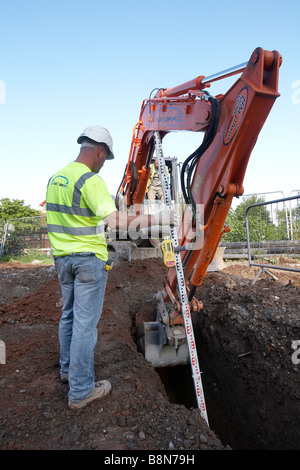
x=75 y=230
x=70 y=210
x=75 y=209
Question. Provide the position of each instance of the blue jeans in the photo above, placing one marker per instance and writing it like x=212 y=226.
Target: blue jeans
x=82 y=277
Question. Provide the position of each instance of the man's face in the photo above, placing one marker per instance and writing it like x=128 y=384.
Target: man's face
x=99 y=161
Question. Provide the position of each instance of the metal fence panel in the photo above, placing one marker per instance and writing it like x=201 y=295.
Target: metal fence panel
x=25 y=234
x=273 y=234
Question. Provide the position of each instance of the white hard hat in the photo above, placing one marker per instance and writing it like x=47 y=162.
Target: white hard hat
x=100 y=135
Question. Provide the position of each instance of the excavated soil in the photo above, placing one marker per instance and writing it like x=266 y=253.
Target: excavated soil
x=244 y=337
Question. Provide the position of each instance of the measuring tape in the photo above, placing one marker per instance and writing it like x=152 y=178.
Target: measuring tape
x=183 y=299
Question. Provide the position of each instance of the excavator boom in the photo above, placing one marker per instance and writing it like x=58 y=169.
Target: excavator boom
x=213 y=174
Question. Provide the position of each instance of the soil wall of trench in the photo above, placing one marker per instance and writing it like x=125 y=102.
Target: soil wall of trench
x=250 y=371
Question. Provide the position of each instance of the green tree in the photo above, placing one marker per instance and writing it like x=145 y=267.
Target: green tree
x=296 y=223
x=282 y=224
x=15 y=209
x=259 y=221
x=23 y=223
x=289 y=220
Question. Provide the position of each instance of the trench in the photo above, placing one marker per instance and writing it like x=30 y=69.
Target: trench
x=223 y=416
x=251 y=391
x=226 y=425
x=227 y=417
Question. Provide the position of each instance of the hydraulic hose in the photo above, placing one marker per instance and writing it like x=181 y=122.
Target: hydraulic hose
x=197 y=154
x=194 y=158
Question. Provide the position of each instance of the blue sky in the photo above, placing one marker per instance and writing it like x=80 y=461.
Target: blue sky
x=67 y=64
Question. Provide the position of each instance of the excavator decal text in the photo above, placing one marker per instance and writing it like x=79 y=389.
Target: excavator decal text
x=171 y=116
x=235 y=116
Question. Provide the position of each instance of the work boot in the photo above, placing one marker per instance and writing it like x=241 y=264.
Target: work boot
x=100 y=390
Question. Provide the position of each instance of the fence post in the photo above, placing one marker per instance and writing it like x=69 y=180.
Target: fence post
x=3 y=238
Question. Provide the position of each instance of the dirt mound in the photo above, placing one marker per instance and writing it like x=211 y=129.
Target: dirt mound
x=244 y=345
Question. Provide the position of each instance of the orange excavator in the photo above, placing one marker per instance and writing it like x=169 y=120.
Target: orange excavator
x=210 y=177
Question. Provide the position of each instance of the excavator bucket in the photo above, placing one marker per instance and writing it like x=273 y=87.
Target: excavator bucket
x=159 y=347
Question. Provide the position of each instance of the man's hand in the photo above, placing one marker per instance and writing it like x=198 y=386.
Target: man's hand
x=121 y=220
x=166 y=217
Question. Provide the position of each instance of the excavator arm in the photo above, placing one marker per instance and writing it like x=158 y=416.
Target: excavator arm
x=215 y=171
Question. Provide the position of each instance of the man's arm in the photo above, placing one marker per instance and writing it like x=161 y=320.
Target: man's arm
x=121 y=220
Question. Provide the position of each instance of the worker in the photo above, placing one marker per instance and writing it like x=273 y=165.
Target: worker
x=154 y=186
x=78 y=206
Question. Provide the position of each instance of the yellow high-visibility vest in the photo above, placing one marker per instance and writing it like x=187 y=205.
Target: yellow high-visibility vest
x=77 y=201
